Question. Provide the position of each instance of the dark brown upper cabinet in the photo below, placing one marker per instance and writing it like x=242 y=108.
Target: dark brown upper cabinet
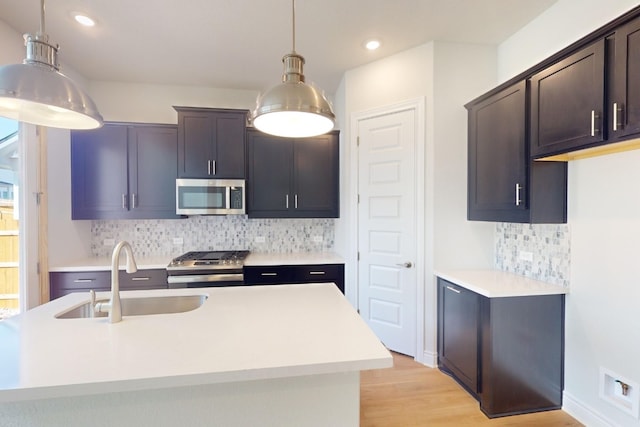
x=503 y=183
x=211 y=142
x=293 y=177
x=567 y=103
x=624 y=101
x=124 y=171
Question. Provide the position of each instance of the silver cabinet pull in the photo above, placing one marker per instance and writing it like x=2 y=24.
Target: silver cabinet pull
x=124 y=201
x=268 y=274
x=286 y=201
x=518 y=200
x=133 y=200
x=84 y=280
x=407 y=264
x=319 y=273
x=140 y=279
x=208 y=167
x=213 y=167
x=594 y=117
x=453 y=289
x=617 y=123
x=295 y=201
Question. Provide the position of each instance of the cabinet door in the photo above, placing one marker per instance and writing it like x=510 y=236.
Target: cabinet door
x=153 y=169
x=458 y=332
x=229 y=145
x=99 y=181
x=567 y=103
x=195 y=134
x=269 y=183
x=498 y=158
x=625 y=102
x=315 y=162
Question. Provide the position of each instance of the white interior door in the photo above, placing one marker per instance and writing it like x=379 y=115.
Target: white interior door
x=387 y=238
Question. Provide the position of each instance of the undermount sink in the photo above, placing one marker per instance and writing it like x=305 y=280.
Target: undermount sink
x=139 y=306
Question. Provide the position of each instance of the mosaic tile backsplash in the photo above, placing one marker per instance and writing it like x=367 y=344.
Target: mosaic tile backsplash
x=150 y=238
x=548 y=244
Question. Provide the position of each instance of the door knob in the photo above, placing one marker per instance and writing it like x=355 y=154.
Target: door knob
x=405 y=264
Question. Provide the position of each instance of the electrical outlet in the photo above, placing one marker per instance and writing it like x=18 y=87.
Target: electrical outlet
x=525 y=256
x=260 y=239
x=178 y=240
x=109 y=242
x=317 y=239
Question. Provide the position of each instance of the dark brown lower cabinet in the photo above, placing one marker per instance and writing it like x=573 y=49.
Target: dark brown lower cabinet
x=508 y=352
x=288 y=274
x=65 y=282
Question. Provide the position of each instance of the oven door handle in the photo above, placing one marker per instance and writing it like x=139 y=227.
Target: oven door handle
x=193 y=278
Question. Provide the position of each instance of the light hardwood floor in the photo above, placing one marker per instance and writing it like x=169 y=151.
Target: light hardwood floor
x=413 y=395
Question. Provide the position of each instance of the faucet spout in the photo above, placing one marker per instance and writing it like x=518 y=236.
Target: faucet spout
x=115 y=305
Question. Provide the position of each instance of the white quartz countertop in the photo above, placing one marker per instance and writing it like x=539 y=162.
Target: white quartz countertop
x=239 y=334
x=496 y=283
x=258 y=258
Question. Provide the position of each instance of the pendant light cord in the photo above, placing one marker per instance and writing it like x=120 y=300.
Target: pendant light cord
x=293 y=8
x=42 y=27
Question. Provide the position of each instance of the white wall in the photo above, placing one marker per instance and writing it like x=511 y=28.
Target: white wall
x=602 y=322
x=439 y=72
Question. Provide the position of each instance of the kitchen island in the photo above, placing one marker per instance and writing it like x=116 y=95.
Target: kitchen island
x=273 y=355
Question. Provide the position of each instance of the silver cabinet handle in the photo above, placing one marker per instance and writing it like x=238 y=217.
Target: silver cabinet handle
x=295 y=201
x=124 y=201
x=286 y=201
x=208 y=167
x=617 y=123
x=140 y=279
x=407 y=264
x=453 y=289
x=319 y=273
x=84 y=280
x=518 y=200
x=213 y=167
x=268 y=274
x=594 y=129
x=133 y=200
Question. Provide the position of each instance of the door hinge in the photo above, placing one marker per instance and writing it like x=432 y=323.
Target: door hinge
x=38 y=197
x=358 y=256
x=37 y=268
x=358 y=199
x=358 y=141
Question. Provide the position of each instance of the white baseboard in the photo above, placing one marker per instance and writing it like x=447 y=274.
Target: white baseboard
x=583 y=413
x=430 y=359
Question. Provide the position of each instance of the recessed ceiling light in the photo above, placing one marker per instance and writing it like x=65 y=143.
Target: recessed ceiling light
x=372 y=44
x=83 y=19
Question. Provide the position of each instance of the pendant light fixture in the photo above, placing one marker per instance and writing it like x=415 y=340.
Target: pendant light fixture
x=293 y=108
x=36 y=92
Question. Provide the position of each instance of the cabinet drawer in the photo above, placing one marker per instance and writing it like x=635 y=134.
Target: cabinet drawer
x=143 y=279
x=268 y=275
x=320 y=273
x=63 y=283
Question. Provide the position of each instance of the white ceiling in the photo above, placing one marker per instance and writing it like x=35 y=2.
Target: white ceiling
x=239 y=43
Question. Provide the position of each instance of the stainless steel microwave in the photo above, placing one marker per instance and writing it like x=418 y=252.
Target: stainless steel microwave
x=210 y=196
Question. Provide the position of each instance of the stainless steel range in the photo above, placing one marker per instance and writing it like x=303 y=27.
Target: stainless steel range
x=207 y=269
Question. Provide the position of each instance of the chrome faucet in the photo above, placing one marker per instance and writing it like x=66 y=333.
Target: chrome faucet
x=114 y=306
